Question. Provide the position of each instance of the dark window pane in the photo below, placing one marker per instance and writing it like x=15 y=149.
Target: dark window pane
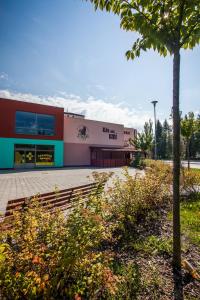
x=30 y=156
x=45 y=147
x=24 y=146
x=25 y=123
x=44 y=158
x=33 y=124
x=45 y=124
x=20 y=157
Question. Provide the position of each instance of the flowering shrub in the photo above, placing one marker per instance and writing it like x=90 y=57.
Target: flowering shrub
x=47 y=256
x=161 y=169
x=134 y=198
x=190 y=181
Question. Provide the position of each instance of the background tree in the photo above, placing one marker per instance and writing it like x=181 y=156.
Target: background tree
x=144 y=140
x=159 y=139
x=195 y=141
x=188 y=128
x=167 y=140
x=165 y=26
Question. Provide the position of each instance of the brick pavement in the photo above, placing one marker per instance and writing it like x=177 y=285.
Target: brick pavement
x=17 y=184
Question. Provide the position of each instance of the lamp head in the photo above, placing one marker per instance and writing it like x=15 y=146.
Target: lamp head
x=154 y=102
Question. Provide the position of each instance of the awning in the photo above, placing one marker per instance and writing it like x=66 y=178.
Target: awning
x=128 y=149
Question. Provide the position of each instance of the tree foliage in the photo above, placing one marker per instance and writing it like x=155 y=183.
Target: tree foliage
x=195 y=141
x=189 y=125
x=144 y=140
x=164 y=140
x=163 y=25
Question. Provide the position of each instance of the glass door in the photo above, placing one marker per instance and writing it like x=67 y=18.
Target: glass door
x=20 y=158
x=30 y=158
x=24 y=156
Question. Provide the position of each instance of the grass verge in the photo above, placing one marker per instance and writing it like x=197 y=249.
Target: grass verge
x=190 y=220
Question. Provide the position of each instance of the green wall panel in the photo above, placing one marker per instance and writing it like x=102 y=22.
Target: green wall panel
x=7 y=150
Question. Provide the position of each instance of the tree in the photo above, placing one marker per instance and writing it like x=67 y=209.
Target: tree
x=165 y=26
x=159 y=139
x=195 y=141
x=167 y=140
x=144 y=140
x=188 y=128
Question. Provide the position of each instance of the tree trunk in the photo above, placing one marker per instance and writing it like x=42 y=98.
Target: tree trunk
x=176 y=163
x=188 y=154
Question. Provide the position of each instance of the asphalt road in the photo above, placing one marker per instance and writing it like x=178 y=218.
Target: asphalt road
x=193 y=164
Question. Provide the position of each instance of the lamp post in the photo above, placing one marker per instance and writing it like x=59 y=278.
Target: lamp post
x=154 y=107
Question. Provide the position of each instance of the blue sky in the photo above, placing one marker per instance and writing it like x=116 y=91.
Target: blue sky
x=61 y=50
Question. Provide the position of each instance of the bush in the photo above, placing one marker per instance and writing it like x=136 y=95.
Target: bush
x=136 y=197
x=190 y=182
x=46 y=256
x=138 y=161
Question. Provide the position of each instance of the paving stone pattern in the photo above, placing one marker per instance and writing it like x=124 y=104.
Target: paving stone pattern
x=26 y=183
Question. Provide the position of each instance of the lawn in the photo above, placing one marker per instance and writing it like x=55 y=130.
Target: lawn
x=195 y=170
x=190 y=220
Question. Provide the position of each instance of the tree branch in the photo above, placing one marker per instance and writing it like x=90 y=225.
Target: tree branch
x=189 y=34
x=138 y=10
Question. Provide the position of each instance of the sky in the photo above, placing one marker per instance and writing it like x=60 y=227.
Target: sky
x=62 y=52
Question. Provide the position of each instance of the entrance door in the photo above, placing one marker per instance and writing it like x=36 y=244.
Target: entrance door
x=30 y=158
x=24 y=156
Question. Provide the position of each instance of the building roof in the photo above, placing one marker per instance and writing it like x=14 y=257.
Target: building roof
x=74 y=114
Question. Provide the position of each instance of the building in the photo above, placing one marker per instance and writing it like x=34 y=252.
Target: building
x=31 y=135
x=101 y=144
x=36 y=135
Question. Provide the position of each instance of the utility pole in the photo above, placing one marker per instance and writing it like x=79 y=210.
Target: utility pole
x=154 y=107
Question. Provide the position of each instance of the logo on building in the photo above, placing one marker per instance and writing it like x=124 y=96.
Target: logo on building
x=83 y=132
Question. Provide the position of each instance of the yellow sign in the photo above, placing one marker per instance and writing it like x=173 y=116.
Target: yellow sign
x=29 y=156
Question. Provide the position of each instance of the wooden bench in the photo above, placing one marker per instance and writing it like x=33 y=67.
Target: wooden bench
x=62 y=199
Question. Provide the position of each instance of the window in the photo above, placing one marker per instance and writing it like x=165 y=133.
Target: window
x=113 y=136
x=34 y=124
x=44 y=155
x=126 y=132
x=45 y=124
x=25 y=123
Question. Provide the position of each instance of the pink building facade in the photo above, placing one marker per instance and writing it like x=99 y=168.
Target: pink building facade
x=88 y=142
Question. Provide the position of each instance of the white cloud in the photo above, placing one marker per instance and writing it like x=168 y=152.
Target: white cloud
x=3 y=76
x=95 y=109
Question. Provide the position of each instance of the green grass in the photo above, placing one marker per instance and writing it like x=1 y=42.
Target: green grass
x=190 y=220
x=154 y=245
x=195 y=170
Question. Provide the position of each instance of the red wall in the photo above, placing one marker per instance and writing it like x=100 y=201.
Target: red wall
x=7 y=118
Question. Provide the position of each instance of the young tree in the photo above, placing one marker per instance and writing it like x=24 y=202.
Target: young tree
x=165 y=26
x=188 y=128
x=144 y=140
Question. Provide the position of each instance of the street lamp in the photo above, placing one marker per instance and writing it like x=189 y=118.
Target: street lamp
x=154 y=107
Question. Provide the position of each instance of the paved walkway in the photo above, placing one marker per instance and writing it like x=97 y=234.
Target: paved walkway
x=26 y=183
